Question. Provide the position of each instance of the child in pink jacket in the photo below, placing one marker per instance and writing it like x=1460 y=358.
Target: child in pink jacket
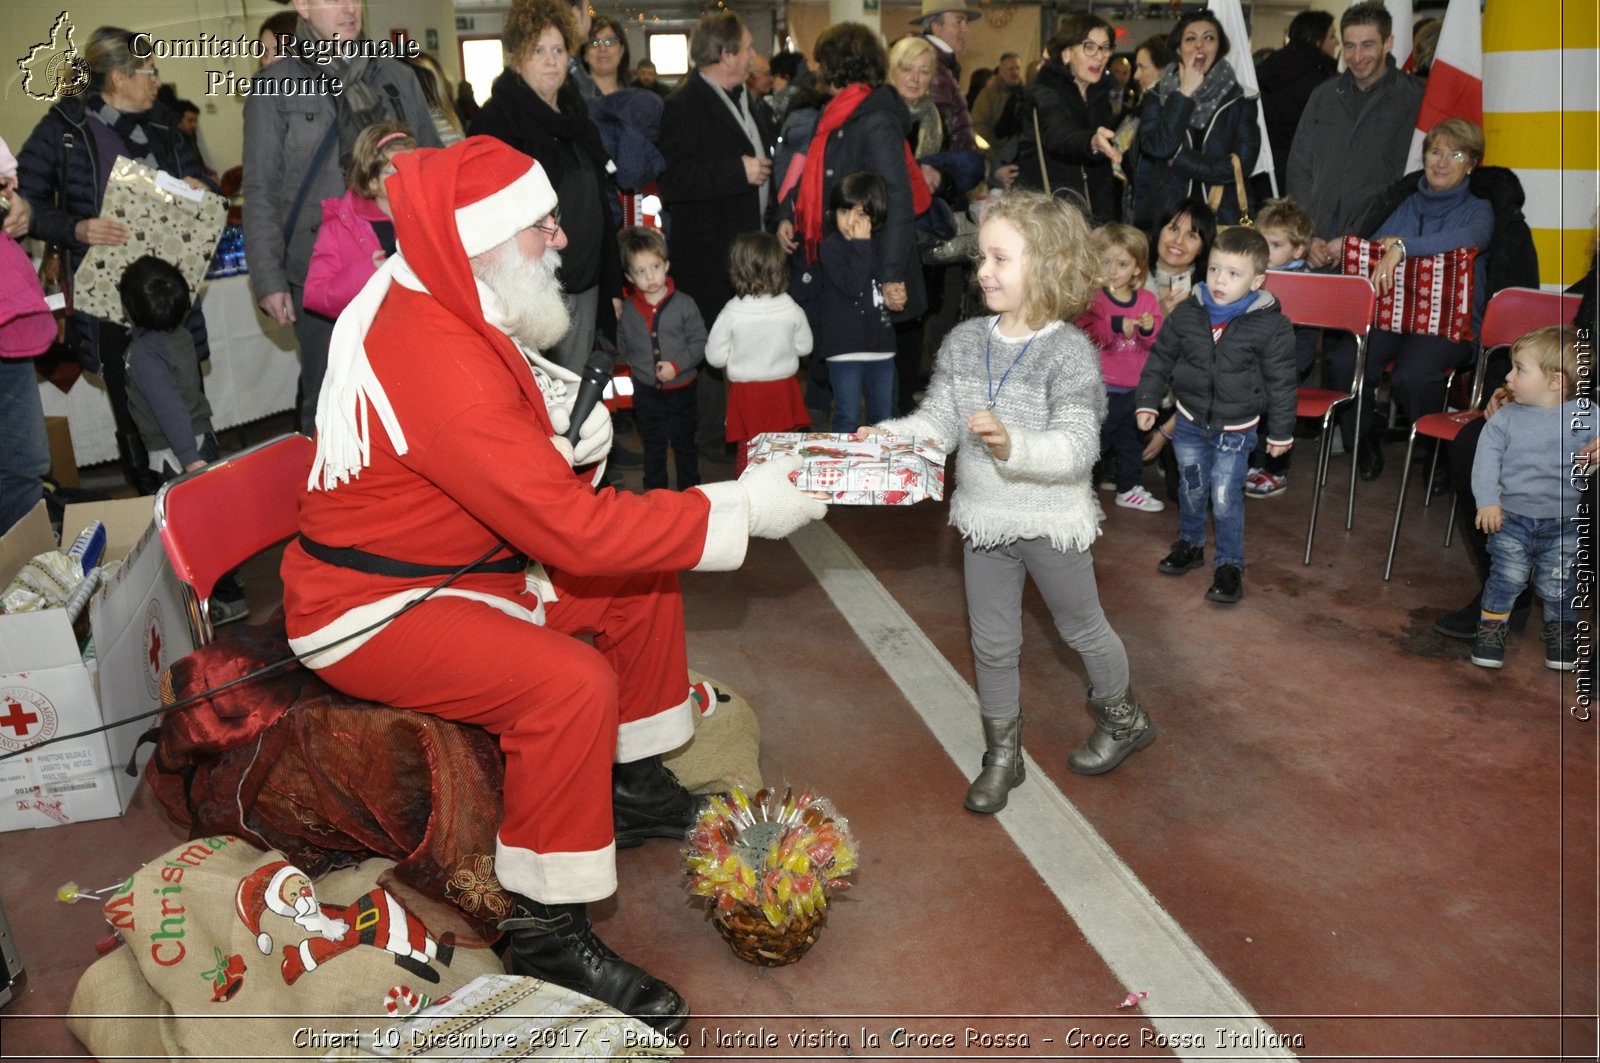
x=357 y=233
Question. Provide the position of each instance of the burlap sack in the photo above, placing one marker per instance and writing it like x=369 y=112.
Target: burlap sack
x=230 y=951
x=726 y=748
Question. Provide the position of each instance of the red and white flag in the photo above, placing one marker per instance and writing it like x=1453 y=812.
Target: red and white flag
x=1455 y=81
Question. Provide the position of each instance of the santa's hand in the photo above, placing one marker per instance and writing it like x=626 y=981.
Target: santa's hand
x=594 y=436
x=777 y=507
x=563 y=448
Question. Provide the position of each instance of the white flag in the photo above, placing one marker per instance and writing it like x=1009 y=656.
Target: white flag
x=1231 y=17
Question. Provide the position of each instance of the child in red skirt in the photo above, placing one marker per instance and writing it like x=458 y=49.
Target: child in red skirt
x=757 y=340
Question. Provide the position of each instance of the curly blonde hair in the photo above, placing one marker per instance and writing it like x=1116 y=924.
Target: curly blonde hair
x=528 y=19
x=1061 y=263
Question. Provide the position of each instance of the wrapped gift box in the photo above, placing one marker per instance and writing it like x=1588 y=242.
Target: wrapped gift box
x=882 y=471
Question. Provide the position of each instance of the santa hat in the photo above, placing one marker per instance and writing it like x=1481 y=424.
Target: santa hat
x=449 y=205
x=262 y=891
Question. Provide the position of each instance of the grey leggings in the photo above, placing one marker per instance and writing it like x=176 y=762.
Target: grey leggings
x=994 y=610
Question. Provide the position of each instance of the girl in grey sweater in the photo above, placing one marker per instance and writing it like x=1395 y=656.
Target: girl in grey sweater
x=1017 y=397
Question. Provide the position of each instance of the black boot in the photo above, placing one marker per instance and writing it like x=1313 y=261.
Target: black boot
x=556 y=942
x=648 y=801
x=1369 y=456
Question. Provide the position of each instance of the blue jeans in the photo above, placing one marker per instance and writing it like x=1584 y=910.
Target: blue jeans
x=848 y=380
x=1541 y=549
x=1211 y=468
x=24 y=447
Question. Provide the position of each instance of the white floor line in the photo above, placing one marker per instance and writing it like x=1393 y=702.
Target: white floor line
x=1144 y=946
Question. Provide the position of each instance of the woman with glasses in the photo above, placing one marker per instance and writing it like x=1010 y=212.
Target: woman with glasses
x=1067 y=138
x=629 y=117
x=63 y=169
x=605 y=53
x=1437 y=210
x=535 y=108
x=1192 y=123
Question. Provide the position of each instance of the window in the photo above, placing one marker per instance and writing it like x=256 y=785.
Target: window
x=481 y=62
x=670 y=53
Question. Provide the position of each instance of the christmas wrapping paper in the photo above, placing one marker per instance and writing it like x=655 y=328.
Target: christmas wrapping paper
x=882 y=471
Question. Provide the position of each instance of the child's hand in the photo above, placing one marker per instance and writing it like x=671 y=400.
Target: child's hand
x=1147 y=321
x=1145 y=420
x=377 y=258
x=1501 y=396
x=1489 y=519
x=894 y=296
x=1129 y=325
x=867 y=431
x=1275 y=450
x=1173 y=297
x=1152 y=446
x=992 y=431
x=666 y=372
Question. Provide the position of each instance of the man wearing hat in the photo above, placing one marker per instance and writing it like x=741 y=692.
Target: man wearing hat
x=440 y=471
x=946 y=29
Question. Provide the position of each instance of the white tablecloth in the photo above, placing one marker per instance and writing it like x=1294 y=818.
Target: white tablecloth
x=253 y=372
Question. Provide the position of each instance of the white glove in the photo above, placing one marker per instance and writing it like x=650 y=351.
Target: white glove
x=594 y=436
x=777 y=506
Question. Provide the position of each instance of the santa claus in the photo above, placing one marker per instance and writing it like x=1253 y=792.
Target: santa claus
x=440 y=472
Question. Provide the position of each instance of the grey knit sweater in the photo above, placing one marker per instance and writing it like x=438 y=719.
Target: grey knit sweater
x=1051 y=403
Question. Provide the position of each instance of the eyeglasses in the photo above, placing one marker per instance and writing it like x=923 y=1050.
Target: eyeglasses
x=603 y=42
x=147 y=72
x=1092 y=49
x=1441 y=153
x=551 y=224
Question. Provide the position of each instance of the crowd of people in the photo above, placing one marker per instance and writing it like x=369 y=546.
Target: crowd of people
x=1127 y=319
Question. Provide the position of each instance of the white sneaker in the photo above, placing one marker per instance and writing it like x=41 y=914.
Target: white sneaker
x=1136 y=497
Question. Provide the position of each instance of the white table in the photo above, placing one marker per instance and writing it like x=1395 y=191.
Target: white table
x=253 y=372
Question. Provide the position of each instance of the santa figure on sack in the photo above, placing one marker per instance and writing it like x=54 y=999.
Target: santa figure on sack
x=440 y=459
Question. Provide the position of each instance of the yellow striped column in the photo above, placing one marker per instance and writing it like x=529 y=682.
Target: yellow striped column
x=1541 y=117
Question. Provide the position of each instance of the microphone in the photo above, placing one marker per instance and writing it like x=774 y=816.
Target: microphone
x=590 y=391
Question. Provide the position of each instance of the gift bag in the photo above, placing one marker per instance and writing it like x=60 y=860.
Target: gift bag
x=1432 y=294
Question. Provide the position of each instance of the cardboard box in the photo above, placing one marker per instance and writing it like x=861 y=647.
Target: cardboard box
x=63 y=462
x=47 y=689
x=882 y=471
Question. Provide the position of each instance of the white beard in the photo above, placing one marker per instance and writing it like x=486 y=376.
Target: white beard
x=534 y=311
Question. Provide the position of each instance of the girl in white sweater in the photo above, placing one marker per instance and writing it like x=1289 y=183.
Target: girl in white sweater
x=759 y=337
x=1018 y=398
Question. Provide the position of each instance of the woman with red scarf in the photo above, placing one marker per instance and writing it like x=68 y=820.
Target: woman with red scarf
x=863 y=127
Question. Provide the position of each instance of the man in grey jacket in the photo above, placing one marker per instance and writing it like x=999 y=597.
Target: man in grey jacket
x=311 y=97
x=1355 y=133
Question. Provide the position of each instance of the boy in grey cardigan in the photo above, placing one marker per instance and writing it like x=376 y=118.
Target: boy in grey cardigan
x=1528 y=483
x=663 y=338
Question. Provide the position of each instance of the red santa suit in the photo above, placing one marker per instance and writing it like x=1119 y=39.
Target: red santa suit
x=464 y=461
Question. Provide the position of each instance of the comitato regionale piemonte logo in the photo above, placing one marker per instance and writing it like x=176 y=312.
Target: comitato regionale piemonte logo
x=54 y=68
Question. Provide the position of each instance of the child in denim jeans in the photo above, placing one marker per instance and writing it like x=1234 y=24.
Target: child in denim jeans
x=1227 y=353
x=1528 y=482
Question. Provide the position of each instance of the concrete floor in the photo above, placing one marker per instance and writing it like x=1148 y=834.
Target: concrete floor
x=1377 y=849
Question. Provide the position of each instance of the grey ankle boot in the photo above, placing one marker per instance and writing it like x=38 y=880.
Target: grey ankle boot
x=1002 y=765
x=1121 y=727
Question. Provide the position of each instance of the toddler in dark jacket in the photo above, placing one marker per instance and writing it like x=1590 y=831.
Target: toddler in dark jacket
x=1227 y=353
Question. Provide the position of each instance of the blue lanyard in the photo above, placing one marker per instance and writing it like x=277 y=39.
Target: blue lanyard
x=994 y=389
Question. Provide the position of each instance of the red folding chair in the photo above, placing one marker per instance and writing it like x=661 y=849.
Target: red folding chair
x=1510 y=315
x=214 y=519
x=1329 y=301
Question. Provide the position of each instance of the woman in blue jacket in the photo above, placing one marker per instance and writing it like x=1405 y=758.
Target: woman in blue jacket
x=1191 y=123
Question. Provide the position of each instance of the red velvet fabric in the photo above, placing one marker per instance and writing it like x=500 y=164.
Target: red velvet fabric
x=288 y=763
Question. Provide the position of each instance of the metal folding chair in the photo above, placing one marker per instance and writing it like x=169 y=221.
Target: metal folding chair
x=214 y=519
x=1510 y=315
x=1329 y=301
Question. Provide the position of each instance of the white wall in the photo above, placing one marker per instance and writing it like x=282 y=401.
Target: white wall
x=27 y=23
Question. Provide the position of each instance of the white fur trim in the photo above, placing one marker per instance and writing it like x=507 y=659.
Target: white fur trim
x=557 y=878
x=727 y=527
x=489 y=222
x=381 y=610
x=666 y=730
x=269 y=894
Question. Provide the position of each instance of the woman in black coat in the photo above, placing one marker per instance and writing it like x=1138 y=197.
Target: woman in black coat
x=1072 y=100
x=1287 y=77
x=535 y=109
x=1192 y=122
x=63 y=169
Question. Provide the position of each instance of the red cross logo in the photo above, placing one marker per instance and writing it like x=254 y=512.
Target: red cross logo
x=18 y=718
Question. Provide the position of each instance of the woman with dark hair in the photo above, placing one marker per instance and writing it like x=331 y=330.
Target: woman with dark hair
x=863 y=126
x=1288 y=75
x=63 y=170
x=1193 y=122
x=605 y=53
x=628 y=117
x=537 y=110
x=1070 y=105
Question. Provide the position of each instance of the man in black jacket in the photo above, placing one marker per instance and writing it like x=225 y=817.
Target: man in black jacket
x=716 y=181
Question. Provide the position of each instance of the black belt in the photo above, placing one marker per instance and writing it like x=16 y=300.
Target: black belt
x=378 y=565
